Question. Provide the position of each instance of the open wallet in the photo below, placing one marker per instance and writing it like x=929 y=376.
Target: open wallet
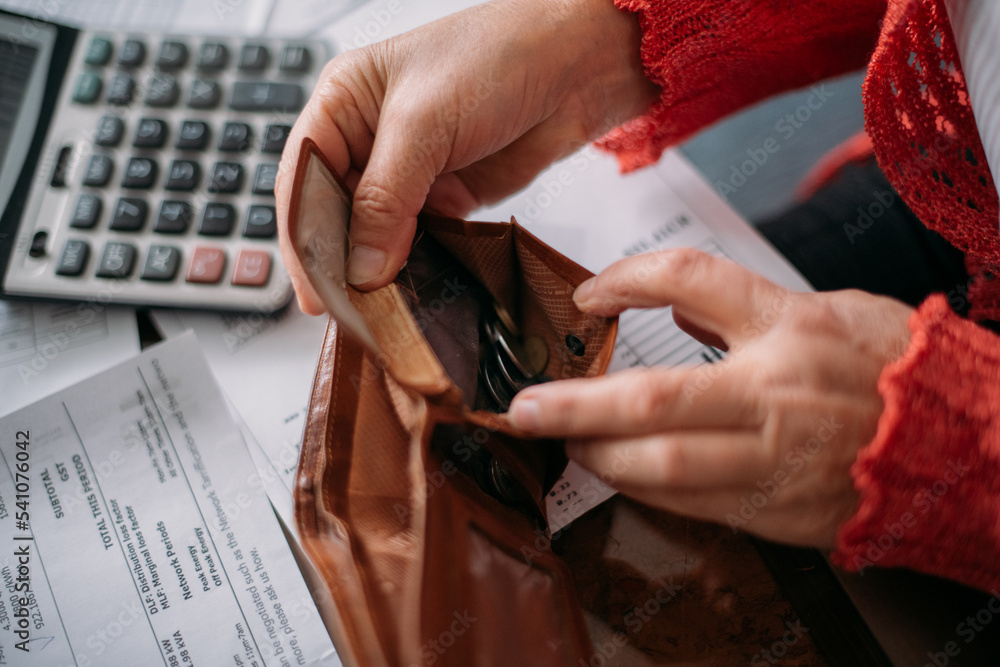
x=415 y=498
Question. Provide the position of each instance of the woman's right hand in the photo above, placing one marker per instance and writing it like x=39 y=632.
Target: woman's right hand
x=459 y=113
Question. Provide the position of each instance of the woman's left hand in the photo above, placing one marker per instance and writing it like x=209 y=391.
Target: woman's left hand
x=763 y=440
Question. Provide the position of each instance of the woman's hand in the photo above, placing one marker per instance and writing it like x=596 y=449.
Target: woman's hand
x=459 y=113
x=763 y=440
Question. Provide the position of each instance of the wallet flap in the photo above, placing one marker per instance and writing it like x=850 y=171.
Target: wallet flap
x=319 y=222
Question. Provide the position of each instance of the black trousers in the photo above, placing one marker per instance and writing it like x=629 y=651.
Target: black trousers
x=857 y=233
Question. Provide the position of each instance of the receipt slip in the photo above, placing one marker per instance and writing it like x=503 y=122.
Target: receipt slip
x=130 y=536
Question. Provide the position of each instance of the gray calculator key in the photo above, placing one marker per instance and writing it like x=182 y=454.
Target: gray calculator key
x=117 y=260
x=161 y=263
x=226 y=177
x=88 y=88
x=235 y=137
x=132 y=53
x=262 y=223
x=275 y=136
x=173 y=218
x=150 y=133
x=99 y=171
x=140 y=172
x=217 y=220
x=266 y=96
x=194 y=135
x=129 y=215
x=295 y=60
x=172 y=55
x=109 y=131
x=98 y=52
x=183 y=175
x=87 y=211
x=204 y=94
x=163 y=91
x=213 y=56
x=254 y=58
x=121 y=89
x=74 y=256
x=263 y=180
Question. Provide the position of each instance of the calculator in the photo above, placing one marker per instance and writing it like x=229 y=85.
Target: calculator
x=139 y=169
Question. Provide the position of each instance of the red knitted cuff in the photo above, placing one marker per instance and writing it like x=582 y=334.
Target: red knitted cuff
x=930 y=480
x=712 y=57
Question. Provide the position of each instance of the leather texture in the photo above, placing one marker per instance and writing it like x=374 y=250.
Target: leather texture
x=397 y=502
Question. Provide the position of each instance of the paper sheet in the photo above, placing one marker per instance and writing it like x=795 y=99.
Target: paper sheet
x=124 y=508
x=185 y=17
x=588 y=211
x=265 y=366
x=45 y=347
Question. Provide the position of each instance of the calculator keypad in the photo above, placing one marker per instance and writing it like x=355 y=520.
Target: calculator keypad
x=164 y=154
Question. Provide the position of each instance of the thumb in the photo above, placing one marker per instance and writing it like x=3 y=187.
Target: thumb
x=390 y=194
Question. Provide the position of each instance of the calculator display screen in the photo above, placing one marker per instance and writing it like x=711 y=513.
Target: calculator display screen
x=17 y=62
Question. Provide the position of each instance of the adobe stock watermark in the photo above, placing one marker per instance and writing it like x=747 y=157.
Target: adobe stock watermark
x=381 y=17
x=786 y=126
x=796 y=460
x=922 y=503
x=432 y=649
x=967 y=629
x=634 y=620
x=882 y=201
x=779 y=649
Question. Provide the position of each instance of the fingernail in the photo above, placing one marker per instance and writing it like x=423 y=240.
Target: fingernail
x=525 y=414
x=584 y=291
x=364 y=265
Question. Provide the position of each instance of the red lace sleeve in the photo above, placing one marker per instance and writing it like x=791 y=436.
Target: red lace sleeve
x=712 y=57
x=930 y=480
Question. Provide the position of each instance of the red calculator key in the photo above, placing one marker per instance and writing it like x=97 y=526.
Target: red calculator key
x=207 y=265
x=252 y=268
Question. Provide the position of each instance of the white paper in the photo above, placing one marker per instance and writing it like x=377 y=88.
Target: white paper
x=585 y=209
x=382 y=19
x=144 y=545
x=265 y=365
x=186 y=17
x=45 y=347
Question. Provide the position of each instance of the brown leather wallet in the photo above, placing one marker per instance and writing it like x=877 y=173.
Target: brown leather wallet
x=418 y=507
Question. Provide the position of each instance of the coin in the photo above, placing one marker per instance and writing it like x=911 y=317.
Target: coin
x=505 y=318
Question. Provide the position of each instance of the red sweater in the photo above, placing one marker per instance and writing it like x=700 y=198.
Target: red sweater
x=930 y=480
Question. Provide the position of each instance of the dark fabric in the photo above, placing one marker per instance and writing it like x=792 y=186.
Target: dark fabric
x=857 y=233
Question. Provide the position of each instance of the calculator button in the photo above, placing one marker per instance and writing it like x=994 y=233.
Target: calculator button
x=254 y=58
x=73 y=260
x=295 y=59
x=217 y=220
x=132 y=53
x=117 y=260
x=275 y=137
x=130 y=215
x=207 y=265
x=121 y=89
x=39 y=244
x=266 y=96
x=150 y=133
x=161 y=263
x=194 y=135
x=140 y=172
x=172 y=55
x=226 y=177
x=263 y=180
x=213 y=56
x=183 y=175
x=87 y=211
x=163 y=91
x=99 y=171
x=235 y=137
x=252 y=268
x=205 y=94
x=98 y=52
x=261 y=222
x=109 y=131
x=88 y=88
x=61 y=167
x=173 y=218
